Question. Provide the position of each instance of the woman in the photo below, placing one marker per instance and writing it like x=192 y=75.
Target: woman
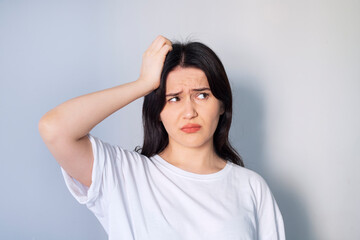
x=187 y=182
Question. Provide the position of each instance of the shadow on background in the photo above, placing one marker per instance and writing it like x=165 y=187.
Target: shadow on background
x=248 y=137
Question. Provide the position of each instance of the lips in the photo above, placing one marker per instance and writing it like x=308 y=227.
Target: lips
x=190 y=128
x=191 y=125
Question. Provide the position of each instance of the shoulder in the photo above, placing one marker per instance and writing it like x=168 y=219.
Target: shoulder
x=104 y=149
x=250 y=177
x=246 y=172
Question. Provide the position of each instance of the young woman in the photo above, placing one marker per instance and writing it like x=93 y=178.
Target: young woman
x=186 y=182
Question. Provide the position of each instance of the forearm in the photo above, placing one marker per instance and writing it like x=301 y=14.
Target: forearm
x=76 y=117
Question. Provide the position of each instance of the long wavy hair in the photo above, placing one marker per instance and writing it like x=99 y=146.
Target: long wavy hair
x=197 y=55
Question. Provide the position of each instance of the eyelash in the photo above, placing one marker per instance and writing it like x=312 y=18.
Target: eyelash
x=206 y=95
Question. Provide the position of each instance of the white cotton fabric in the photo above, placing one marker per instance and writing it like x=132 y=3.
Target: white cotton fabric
x=136 y=197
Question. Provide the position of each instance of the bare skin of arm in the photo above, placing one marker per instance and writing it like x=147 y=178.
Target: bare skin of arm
x=64 y=128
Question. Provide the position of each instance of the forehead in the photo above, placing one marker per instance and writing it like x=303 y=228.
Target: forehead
x=189 y=77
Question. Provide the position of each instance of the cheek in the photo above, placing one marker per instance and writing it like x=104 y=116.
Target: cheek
x=214 y=110
x=166 y=116
x=213 y=115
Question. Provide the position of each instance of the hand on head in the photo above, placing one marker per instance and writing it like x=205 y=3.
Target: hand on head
x=153 y=61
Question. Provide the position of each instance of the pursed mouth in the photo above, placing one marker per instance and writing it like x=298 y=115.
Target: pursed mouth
x=190 y=129
x=190 y=125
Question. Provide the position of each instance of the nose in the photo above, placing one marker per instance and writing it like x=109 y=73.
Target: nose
x=189 y=110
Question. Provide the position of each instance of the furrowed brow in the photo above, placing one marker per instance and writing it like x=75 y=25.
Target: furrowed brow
x=200 y=89
x=173 y=94
x=194 y=89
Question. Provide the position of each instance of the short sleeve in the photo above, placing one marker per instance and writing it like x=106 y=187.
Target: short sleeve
x=269 y=218
x=104 y=177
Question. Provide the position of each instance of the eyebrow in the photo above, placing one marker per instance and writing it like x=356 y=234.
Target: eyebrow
x=194 y=89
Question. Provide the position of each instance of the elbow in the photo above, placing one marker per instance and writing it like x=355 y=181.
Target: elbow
x=47 y=128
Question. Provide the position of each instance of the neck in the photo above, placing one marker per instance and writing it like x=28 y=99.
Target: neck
x=202 y=159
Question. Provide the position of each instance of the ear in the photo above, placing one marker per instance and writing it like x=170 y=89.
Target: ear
x=222 y=108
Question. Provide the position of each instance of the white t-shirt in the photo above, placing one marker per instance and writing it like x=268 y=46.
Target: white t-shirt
x=136 y=197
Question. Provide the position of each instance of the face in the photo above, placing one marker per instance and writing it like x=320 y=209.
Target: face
x=191 y=113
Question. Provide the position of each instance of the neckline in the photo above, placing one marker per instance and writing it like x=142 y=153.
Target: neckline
x=184 y=173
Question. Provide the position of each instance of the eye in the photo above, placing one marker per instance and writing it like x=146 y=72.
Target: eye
x=203 y=95
x=173 y=99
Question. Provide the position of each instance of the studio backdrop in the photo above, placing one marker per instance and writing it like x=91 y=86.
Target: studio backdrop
x=294 y=68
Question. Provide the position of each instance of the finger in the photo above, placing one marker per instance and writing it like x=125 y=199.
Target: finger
x=155 y=43
x=165 y=49
x=168 y=42
x=167 y=45
x=160 y=42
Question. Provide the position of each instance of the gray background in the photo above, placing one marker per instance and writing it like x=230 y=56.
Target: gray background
x=294 y=67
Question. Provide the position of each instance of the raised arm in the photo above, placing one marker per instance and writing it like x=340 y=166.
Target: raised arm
x=64 y=128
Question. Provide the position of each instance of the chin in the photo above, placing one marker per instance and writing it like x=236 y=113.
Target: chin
x=192 y=143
